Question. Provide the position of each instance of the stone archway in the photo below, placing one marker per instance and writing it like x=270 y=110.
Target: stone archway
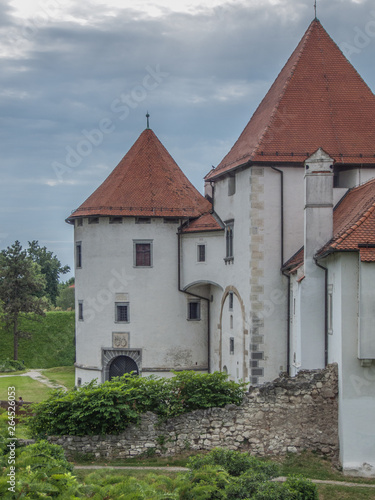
x=127 y=359
x=121 y=365
x=245 y=332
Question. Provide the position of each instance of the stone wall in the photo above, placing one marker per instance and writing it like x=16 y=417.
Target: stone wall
x=286 y=415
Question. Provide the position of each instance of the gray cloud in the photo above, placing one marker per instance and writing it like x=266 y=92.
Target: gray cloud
x=64 y=76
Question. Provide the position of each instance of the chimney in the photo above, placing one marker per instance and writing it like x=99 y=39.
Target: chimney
x=318 y=229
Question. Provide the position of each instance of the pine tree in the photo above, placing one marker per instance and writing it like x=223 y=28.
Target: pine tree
x=21 y=287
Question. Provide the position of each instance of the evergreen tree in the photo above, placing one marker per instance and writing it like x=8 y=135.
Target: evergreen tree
x=50 y=266
x=21 y=287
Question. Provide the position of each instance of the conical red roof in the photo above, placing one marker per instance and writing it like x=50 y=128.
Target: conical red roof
x=318 y=100
x=146 y=182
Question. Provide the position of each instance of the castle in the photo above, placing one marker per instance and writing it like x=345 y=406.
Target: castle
x=271 y=271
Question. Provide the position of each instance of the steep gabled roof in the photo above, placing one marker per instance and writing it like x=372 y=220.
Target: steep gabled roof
x=353 y=227
x=318 y=100
x=146 y=182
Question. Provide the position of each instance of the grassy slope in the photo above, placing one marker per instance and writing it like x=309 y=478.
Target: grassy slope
x=29 y=389
x=52 y=342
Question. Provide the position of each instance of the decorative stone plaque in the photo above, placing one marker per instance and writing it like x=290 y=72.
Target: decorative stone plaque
x=120 y=340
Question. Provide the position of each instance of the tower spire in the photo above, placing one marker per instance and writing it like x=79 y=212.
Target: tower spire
x=148 y=122
x=315 y=9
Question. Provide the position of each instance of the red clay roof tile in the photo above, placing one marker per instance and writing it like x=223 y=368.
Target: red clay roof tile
x=146 y=182
x=318 y=100
x=206 y=222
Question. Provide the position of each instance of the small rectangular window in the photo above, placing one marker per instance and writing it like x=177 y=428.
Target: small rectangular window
x=171 y=220
x=79 y=221
x=115 y=220
x=80 y=310
x=231 y=345
x=143 y=220
x=231 y=185
x=194 y=310
x=93 y=220
x=201 y=253
x=230 y=297
x=229 y=227
x=122 y=312
x=330 y=309
x=78 y=254
x=143 y=253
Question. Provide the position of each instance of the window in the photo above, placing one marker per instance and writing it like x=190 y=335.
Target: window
x=143 y=253
x=201 y=253
x=229 y=239
x=230 y=297
x=93 y=220
x=330 y=310
x=79 y=254
x=122 y=312
x=171 y=220
x=231 y=345
x=79 y=221
x=194 y=310
x=231 y=321
x=115 y=220
x=80 y=310
x=231 y=185
x=143 y=220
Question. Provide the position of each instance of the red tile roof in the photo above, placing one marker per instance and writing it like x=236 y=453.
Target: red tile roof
x=354 y=223
x=318 y=100
x=353 y=227
x=146 y=182
x=206 y=222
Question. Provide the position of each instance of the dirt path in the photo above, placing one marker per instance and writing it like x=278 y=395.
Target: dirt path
x=39 y=377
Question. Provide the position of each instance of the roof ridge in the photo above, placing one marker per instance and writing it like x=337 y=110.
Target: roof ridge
x=286 y=84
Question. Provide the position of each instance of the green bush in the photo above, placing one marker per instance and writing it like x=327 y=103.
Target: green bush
x=110 y=407
x=234 y=462
x=10 y=365
x=302 y=487
x=207 y=483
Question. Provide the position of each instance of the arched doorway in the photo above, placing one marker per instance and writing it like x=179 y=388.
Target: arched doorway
x=121 y=365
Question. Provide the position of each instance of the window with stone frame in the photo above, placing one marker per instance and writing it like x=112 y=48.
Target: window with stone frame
x=122 y=312
x=143 y=253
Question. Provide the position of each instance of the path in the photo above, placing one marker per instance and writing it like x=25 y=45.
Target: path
x=182 y=469
x=37 y=375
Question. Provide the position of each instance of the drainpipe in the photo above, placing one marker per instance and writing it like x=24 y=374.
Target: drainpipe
x=196 y=296
x=282 y=263
x=325 y=310
x=212 y=184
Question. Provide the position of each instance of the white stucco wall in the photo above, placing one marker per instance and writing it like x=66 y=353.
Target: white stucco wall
x=158 y=326
x=356 y=382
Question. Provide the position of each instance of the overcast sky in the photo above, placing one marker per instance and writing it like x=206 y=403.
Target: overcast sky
x=77 y=79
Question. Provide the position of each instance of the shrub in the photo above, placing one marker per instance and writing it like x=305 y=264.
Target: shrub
x=305 y=488
x=10 y=365
x=234 y=462
x=110 y=407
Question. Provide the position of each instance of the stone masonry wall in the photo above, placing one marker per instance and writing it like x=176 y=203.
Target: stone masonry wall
x=286 y=415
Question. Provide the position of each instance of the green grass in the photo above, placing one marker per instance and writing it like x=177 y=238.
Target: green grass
x=335 y=492
x=313 y=466
x=29 y=389
x=52 y=342
x=63 y=375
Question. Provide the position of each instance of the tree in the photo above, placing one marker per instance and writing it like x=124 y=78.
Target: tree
x=65 y=299
x=50 y=266
x=21 y=284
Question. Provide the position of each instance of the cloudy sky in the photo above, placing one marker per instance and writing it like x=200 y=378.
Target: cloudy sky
x=77 y=79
